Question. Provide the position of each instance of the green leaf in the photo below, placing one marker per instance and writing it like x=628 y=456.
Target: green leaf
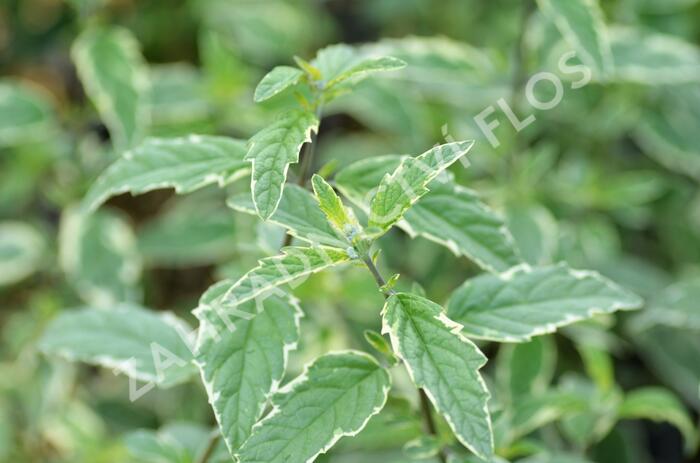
x=277 y=81
x=398 y=191
x=526 y=302
x=665 y=6
x=299 y=213
x=358 y=181
x=177 y=442
x=115 y=77
x=25 y=114
x=598 y=365
x=243 y=358
x=21 y=251
x=177 y=95
x=659 y=404
x=337 y=214
x=271 y=150
x=591 y=424
x=341 y=63
x=555 y=458
x=582 y=25
x=456 y=217
x=421 y=448
x=675 y=306
x=531 y=413
x=443 y=69
x=130 y=339
x=669 y=133
x=193 y=231
x=527 y=368
x=535 y=231
x=151 y=447
x=652 y=58
x=99 y=254
x=673 y=355
x=295 y=263
x=433 y=349
x=335 y=397
x=311 y=71
x=381 y=345
x=449 y=214
x=185 y=164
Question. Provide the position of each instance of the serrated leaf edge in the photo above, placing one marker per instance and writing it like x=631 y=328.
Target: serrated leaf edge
x=570 y=319
x=456 y=329
x=307 y=138
x=128 y=155
x=337 y=434
x=212 y=395
x=127 y=366
x=288 y=278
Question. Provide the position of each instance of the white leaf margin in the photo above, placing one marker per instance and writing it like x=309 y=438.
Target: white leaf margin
x=212 y=395
x=550 y=328
x=454 y=328
x=337 y=433
x=128 y=155
x=140 y=82
x=311 y=129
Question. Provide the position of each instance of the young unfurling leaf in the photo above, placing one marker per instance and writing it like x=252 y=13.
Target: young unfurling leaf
x=276 y=81
x=381 y=345
x=408 y=183
x=337 y=214
x=433 y=350
x=115 y=77
x=335 y=397
x=526 y=302
x=295 y=263
x=341 y=63
x=449 y=214
x=185 y=164
x=243 y=358
x=299 y=213
x=271 y=151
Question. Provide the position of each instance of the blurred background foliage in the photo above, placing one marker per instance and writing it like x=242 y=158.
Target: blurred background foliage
x=607 y=180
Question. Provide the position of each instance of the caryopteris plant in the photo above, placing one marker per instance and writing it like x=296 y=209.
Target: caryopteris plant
x=248 y=326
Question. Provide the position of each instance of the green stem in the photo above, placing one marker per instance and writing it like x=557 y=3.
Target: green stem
x=307 y=158
x=427 y=413
x=517 y=84
x=381 y=282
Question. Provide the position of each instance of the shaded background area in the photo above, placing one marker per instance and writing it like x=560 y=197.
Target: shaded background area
x=607 y=180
